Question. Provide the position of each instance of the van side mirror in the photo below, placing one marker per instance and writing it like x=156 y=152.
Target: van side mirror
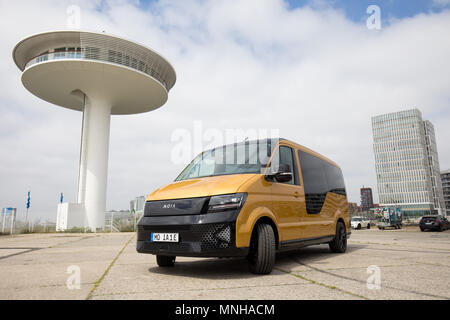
x=281 y=174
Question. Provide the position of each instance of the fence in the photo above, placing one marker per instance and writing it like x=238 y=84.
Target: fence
x=21 y=227
x=113 y=223
x=121 y=223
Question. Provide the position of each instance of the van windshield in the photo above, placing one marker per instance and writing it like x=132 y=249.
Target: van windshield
x=239 y=158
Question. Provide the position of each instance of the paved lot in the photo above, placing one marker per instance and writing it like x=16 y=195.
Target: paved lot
x=413 y=265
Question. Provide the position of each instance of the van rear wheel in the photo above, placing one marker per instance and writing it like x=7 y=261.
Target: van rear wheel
x=261 y=258
x=165 y=261
x=339 y=243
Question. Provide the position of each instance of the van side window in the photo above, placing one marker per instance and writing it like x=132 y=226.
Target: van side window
x=285 y=155
x=319 y=178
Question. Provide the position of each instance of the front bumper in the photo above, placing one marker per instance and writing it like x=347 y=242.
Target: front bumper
x=203 y=235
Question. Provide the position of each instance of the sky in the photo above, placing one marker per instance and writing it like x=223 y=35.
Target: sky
x=313 y=70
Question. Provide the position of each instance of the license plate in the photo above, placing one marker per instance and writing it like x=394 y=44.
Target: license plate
x=164 y=237
x=428 y=222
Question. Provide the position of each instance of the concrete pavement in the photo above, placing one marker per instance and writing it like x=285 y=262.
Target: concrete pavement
x=413 y=265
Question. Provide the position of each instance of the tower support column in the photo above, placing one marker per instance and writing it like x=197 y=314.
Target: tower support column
x=93 y=169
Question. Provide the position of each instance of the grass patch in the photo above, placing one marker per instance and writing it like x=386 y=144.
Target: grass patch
x=97 y=283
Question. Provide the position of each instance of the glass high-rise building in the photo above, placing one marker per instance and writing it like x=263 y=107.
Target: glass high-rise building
x=366 y=198
x=407 y=163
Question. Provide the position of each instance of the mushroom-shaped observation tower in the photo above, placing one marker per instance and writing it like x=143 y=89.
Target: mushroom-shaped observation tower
x=100 y=75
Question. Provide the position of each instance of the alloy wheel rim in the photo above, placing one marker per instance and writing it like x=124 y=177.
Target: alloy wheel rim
x=343 y=238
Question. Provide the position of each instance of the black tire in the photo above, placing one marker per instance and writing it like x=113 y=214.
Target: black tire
x=261 y=258
x=339 y=243
x=359 y=227
x=422 y=229
x=368 y=226
x=165 y=261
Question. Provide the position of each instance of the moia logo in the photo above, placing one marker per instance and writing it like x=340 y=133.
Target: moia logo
x=169 y=206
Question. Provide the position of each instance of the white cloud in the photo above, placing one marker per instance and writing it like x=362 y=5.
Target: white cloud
x=313 y=74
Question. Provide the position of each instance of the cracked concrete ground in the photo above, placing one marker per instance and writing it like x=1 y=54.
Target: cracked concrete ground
x=413 y=264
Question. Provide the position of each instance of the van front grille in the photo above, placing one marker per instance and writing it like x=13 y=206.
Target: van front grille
x=197 y=237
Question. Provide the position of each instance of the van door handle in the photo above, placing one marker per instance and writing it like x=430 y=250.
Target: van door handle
x=296 y=194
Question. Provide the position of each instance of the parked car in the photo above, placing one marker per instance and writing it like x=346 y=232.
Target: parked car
x=249 y=199
x=360 y=222
x=435 y=222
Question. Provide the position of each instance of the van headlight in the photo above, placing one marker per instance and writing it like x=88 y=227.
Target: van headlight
x=226 y=202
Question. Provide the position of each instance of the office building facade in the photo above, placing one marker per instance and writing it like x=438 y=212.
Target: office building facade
x=407 y=163
x=366 y=198
x=445 y=178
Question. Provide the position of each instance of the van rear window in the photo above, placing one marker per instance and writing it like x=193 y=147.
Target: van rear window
x=319 y=178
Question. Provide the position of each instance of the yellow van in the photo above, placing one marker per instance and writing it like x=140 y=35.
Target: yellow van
x=249 y=199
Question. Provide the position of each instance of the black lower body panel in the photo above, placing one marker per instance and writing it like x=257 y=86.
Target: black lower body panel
x=296 y=244
x=208 y=235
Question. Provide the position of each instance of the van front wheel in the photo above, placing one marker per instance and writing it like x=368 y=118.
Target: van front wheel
x=339 y=243
x=261 y=258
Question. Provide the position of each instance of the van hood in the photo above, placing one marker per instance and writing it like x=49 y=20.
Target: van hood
x=201 y=187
